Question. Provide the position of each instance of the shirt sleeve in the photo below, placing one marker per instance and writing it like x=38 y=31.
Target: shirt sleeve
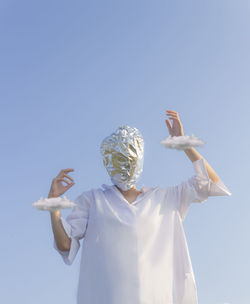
x=75 y=226
x=197 y=188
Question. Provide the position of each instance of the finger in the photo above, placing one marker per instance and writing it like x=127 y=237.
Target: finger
x=64 y=180
x=171 y=111
x=174 y=118
x=172 y=115
x=68 y=186
x=65 y=175
x=67 y=170
x=168 y=125
x=64 y=171
x=170 y=131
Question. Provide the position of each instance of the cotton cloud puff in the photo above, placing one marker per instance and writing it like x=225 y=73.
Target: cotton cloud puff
x=53 y=203
x=182 y=142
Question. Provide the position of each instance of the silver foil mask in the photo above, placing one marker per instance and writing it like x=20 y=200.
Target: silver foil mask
x=123 y=155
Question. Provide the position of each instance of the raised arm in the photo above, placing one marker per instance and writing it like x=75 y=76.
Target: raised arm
x=62 y=240
x=176 y=129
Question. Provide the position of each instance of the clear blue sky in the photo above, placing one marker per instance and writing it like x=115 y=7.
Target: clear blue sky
x=73 y=71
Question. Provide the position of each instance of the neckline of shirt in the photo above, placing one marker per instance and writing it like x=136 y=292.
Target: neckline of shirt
x=113 y=188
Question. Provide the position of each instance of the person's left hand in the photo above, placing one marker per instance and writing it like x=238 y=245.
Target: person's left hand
x=176 y=129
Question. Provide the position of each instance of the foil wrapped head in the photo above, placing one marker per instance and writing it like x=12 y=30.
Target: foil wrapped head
x=123 y=155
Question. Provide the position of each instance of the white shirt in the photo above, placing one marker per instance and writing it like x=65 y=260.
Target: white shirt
x=136 y=253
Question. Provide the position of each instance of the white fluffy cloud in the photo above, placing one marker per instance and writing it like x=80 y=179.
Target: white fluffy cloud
x=182 y=142
x=53 y=203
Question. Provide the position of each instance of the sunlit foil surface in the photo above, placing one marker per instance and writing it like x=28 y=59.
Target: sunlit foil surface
x=122 y=154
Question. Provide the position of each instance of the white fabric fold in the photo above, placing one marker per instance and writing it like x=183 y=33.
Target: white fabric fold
x=68 y=256
x=198 y=188
x=75 y=226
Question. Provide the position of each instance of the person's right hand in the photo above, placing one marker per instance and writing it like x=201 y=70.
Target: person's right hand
x=57 y=188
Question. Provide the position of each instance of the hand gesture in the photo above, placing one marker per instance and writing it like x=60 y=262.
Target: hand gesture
x=176 y=129
x=57 y=188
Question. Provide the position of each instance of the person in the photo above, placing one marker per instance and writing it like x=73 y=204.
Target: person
x=134 y=249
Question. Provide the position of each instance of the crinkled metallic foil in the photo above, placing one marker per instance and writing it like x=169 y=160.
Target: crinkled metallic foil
x=123 y=154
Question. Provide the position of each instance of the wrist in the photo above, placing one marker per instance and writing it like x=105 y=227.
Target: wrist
x=188 y=150
x=56 y=214
x=50 y=195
